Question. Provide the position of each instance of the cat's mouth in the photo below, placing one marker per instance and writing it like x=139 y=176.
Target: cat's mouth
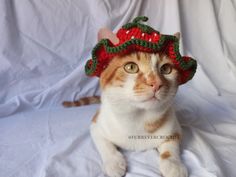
x=151 y=99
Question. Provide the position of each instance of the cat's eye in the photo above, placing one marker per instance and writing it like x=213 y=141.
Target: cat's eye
x=166 y=69
x=131 y=67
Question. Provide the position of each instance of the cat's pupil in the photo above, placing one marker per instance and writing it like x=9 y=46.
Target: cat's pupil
x=166 y=69
x=131 y=67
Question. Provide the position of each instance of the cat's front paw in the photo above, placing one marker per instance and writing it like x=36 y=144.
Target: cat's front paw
x=173 y=168
x=115 y=166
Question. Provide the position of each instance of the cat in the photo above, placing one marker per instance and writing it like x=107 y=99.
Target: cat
x=137 y=92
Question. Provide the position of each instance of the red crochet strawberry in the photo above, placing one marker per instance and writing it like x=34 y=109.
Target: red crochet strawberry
x=136 y=36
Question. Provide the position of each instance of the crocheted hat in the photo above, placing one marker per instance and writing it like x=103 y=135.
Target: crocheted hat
x=136 y=36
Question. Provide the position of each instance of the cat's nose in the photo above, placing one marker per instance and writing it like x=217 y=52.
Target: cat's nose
x=154 y=81
x=156 y=86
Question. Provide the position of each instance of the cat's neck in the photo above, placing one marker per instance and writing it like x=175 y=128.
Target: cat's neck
x=128 y=110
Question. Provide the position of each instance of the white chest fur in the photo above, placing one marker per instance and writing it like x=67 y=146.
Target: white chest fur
x=125 y=126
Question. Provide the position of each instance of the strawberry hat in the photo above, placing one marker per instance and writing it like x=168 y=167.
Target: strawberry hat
x=136 y=36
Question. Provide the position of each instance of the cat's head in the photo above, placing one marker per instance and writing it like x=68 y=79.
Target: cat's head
x=139 y=66
x=143 y=80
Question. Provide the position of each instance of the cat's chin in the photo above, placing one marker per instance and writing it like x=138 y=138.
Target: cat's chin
x=151 y=103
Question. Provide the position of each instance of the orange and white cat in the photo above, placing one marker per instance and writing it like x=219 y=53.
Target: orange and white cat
x=137 y=91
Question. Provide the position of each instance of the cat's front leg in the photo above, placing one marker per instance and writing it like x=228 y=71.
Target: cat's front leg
x=170 y=162
x=114 y=164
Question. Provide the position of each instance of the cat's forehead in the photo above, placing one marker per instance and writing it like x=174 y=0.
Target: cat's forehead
x=154 y=61
x=147 y=61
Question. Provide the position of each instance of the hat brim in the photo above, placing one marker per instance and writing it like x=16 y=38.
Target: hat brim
x=105 y=50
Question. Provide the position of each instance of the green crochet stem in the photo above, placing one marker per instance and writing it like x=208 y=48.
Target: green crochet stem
x=140 y=18
x=144 y=28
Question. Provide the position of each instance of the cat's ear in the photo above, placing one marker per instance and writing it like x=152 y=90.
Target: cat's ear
x=177 y=35
x=105 y=33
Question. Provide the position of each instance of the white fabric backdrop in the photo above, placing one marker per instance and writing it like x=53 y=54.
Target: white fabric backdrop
x=43 y=48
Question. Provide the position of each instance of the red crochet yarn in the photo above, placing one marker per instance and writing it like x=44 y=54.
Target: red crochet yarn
x=136 y=36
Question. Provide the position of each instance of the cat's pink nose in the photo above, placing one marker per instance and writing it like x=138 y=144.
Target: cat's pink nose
x=154 y=81
x=155 y=86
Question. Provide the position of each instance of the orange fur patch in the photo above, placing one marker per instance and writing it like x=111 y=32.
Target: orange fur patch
x=114 y=74
x=138 y=56
x=165 y=155
x=107 y=76
x=140 y=82
x=151 y=127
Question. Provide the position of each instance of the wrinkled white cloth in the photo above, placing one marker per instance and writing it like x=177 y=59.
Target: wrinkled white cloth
x=43 y=48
